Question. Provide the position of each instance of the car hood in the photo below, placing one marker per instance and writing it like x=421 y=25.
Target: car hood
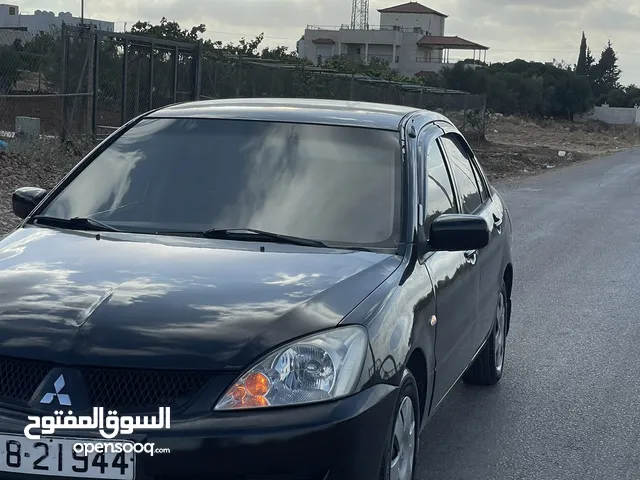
x=123 y=300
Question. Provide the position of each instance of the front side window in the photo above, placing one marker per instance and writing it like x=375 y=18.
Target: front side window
x=463 y=174
x=339 y=185
x=440 y=196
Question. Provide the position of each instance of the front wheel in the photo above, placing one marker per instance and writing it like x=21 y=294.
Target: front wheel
x=487 y=367
x=400 y=457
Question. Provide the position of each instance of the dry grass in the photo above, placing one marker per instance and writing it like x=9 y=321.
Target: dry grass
x=591 y=138
x=36 y=163
x=518 y=146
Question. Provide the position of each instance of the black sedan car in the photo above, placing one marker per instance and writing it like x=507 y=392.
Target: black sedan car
x=301 y=282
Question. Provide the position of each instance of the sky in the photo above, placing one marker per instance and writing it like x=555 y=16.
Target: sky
x=540 y=30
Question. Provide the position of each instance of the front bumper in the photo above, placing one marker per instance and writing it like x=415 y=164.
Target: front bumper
x=338 y=440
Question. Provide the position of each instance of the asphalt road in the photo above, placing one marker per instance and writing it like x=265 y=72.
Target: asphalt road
x=568 y=404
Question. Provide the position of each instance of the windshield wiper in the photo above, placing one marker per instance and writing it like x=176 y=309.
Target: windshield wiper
x=80 y=223
x=261 y=235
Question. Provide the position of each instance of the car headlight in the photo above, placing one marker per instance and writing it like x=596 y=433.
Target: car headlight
x=320 y=367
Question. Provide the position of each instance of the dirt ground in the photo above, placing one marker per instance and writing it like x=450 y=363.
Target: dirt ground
x=514 y=147
x=36 y=164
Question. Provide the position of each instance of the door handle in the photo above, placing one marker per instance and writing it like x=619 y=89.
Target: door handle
x=497 y=222
x=471 y=256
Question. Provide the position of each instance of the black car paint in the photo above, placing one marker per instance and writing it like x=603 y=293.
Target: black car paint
x=170 y=302
x=393 y=294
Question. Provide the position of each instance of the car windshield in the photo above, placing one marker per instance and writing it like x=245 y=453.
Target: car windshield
x=339 y=185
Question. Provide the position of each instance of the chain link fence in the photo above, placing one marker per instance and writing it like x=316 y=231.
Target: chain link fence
x=30 y=78
x=230 y=76
x=120 y=76
x=80 y=82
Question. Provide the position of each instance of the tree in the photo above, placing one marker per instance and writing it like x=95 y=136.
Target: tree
x=562 y=65
x=633 y=94
x=574 y=95
x=520 y=87
x=168 y=30
x=244 y=47
x=282 y=54
x=606 y=73
x=581 y=66
x=589 y=62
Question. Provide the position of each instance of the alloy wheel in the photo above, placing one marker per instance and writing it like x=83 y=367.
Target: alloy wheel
x=404 y=444
x=499 y=340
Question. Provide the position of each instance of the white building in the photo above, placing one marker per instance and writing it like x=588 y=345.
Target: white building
x=411 y=37
x=42 y=21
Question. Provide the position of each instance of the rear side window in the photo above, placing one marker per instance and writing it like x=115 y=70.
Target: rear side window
x=463 y=173
x=440 y=196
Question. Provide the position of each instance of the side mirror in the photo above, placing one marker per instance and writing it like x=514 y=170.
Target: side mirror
x=458 y=233
x=25 y=199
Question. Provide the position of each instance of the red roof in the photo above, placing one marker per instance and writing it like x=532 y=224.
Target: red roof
x=323 y=41
x=411 y=7
x=450 y=42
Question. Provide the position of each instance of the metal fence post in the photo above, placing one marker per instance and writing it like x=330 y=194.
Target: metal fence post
x=125 y=71
x=197 y=73
x=96 y=83
x=239 y=77
x=151 y=76
x=176 y=57
x=63 y=83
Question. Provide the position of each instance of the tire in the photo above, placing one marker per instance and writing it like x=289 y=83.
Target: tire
x=488 y=366
x=401 y=454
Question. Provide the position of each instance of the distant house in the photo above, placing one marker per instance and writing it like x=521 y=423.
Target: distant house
x=41 y=21
x=411 y=37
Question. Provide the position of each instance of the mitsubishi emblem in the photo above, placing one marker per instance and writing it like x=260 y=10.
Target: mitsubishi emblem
x=63 y=398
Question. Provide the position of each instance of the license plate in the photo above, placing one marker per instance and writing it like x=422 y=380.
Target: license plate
x=55 y=457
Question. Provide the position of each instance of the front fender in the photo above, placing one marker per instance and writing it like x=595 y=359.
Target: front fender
x=397 y=316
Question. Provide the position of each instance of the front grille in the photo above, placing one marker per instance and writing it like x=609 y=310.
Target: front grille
x=118 y=389
x=19 y=379
x=124 y=388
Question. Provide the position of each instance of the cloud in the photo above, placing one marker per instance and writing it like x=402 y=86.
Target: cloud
x=542 y=4
x=612 y=20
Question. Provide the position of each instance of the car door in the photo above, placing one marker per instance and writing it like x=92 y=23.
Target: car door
x=475 y=198
x=490 y=258
x=452 y=274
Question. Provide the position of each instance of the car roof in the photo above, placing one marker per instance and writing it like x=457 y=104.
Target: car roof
x=296 y=110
